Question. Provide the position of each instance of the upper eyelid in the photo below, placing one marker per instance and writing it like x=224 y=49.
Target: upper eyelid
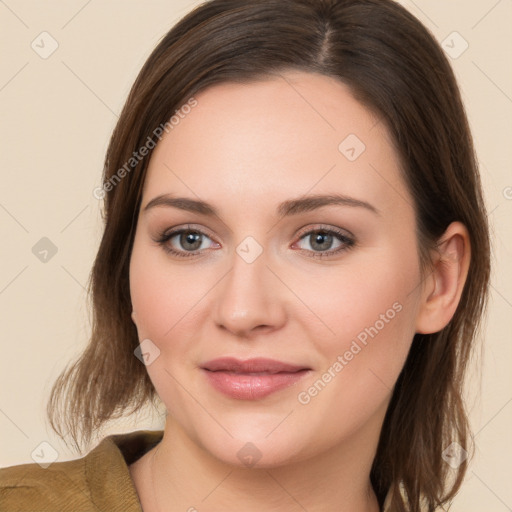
x=186 y=227
x=322 y=227
x=347 y=242
x=172 y=232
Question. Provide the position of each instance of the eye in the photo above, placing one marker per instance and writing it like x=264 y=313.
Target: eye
x=189 y=241
x=321 y=242
x=184 y=242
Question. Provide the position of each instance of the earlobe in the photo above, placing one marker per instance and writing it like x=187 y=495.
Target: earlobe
x=443 y=286
x=133 y=317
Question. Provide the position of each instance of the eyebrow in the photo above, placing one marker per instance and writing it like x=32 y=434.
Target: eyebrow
x=286 y=208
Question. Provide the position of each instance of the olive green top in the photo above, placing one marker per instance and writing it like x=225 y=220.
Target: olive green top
x=98 y=482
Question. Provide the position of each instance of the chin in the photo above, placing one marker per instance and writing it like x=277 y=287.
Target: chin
x=251 y=448
x=255 y=455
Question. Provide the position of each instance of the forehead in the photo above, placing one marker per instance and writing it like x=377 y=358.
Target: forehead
x=268 y=140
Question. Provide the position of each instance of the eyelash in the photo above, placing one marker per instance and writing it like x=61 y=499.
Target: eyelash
x=348 y=242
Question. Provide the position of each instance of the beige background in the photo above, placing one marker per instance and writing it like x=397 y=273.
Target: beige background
x=57 y=117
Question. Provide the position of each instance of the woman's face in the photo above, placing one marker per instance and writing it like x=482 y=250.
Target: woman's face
x=279 y=272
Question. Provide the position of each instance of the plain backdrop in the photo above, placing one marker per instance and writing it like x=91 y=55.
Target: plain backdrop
x=58 y=111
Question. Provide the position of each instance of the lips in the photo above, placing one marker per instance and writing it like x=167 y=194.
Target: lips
x=252 y=379
x=257 y=365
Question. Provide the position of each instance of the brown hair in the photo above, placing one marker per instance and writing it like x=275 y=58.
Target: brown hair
x=394 y=66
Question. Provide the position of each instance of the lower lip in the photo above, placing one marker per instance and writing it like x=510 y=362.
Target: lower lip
x=245 y=386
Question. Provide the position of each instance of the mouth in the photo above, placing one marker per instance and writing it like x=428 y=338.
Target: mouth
x=252 y=379
x=258 y=365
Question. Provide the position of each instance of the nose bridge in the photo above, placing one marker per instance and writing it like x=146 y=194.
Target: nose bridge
x=250 y=295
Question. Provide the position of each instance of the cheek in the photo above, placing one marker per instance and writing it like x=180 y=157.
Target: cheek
x=370 y=312
x=162 y=296
x=162 y=300
x=372 y=315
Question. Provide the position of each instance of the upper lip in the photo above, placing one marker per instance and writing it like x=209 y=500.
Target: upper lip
x=259 y=364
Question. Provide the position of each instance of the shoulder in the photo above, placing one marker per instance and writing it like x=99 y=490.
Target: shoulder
x=98 y=481
x=60 y=486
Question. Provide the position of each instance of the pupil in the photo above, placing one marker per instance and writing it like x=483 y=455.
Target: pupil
x=322 y=236
x=192 y=239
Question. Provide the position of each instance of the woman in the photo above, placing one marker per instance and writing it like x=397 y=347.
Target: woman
x=295 y=262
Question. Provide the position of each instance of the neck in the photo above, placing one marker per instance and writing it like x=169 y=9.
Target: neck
x=186 y=477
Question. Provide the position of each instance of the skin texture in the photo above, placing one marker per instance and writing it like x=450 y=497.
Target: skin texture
x=244 y=149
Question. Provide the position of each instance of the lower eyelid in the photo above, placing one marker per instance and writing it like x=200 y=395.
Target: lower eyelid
x=346 y=241
x=174 y=234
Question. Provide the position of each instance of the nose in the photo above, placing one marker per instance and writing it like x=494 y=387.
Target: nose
x=250 y=299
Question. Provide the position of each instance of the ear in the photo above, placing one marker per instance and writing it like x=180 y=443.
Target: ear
x=133 y=317
x=444 y=284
